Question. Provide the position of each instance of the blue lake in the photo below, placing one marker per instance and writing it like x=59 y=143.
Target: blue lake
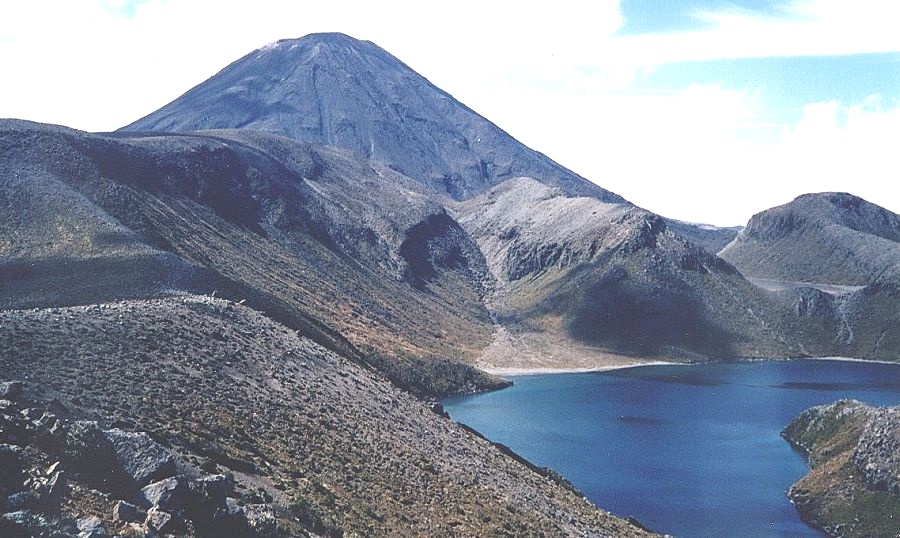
x=687 y=450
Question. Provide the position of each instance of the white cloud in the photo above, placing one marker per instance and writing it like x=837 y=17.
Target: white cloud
x=805 y=28
x=558 y=78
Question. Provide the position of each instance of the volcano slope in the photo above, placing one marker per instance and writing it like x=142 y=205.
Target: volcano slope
x=321 y=443
x=387 y=276
x=338 y=91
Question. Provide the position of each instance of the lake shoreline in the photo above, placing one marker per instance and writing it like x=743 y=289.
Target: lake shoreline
x=518 y=371
x=515 y=372
x=655 y=443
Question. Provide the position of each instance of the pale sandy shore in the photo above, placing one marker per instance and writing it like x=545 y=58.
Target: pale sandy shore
x=538 y=371
x=502 y=372
x=848 y=359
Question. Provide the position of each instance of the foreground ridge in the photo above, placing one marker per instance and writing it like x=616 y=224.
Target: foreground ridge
x=853 y=488
x=312 y=442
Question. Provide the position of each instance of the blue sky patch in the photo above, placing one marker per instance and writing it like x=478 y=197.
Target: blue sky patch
x=785 y=84
x=653 y=16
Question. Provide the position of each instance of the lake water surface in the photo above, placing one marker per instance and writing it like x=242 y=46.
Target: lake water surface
x=687 y=450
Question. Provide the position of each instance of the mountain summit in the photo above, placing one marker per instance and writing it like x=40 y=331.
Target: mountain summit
x=829 y=237
x=338 y=91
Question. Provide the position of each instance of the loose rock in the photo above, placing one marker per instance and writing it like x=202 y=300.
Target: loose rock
x=128 y=513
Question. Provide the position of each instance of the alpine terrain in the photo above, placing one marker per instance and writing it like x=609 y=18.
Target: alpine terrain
x=233 y=314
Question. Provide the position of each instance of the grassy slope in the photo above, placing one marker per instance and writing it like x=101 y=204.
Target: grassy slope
x=836 y=496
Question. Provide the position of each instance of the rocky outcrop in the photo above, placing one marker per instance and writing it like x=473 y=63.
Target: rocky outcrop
x=853 y=488
x=270 y=434
x=877 y=455
x=139 y=456
x=82 y=492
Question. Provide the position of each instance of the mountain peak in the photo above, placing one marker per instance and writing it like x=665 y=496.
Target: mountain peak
x=335 y=90
x=336 y=41
x=828 y=237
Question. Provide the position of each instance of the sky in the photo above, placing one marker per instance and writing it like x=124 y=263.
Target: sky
x=701 y=110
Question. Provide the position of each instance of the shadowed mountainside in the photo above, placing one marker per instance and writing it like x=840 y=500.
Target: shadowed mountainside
x=582 y=280
x=839 y=255
x=334 y=90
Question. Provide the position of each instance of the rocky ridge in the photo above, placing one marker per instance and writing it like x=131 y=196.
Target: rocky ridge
x=834 y=238
x=356 y=256
x=322 y=444
x=579 y=279
x=853 y=488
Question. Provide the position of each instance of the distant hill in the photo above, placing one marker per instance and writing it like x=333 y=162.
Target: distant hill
x=838 y=257
x=582 y=281
x=712 y=238
x=335 y=90
x=830 y=238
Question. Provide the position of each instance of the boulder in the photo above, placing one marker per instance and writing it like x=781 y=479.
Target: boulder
x=160 y=521
x=86 y=442
x=13 y=430
x=91 y=527
x=260 y=519
x=55 y=486
x=11 y=390
x=169 y=494
x=126 y=512
x=212 y=489
x=46 y=421
x=17 y=524
x=246 y=520
x=140 y=457
x=10 y=464
x=23 y=500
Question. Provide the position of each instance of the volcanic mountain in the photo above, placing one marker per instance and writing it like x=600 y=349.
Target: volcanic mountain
x=202 y=297
x=334 y=90
x=257 y=276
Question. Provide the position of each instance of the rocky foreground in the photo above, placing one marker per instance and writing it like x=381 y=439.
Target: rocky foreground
x=189 y=415
x=853 y=488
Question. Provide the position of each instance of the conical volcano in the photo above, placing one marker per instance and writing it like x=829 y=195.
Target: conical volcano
x=338 y=91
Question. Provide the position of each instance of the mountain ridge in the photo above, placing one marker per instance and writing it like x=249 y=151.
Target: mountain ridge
x=851 y=240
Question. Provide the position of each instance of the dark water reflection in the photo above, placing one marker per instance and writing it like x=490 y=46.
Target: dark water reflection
x=688 y=450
